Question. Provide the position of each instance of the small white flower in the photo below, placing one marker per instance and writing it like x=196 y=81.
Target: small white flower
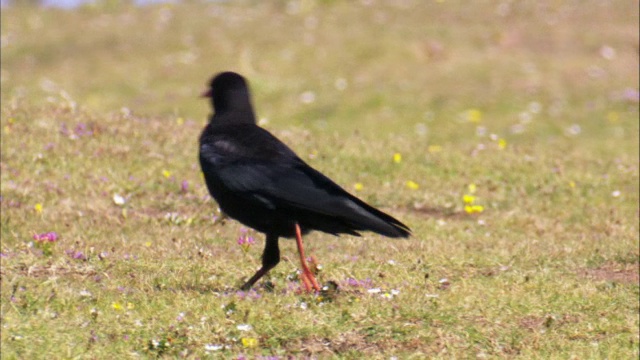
x=391 y=262
x=244 y=327
x=573 y=130
x=303 y=305
x=525 y=117
x=535 y=107
x=118 y=200
x=374 y=291
x=211 y=347
x=85 y=293
x=307 y=97
x=341 y=84
x=395 y=292
x=421 y=129
x=608 y=52
x=616 y=193
x=517 y=129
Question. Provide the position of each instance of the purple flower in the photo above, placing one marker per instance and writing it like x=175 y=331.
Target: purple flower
x=251 y=294
x=367 y=283
x=64 y=130
x=81 y=130
x=77 y=255
x=631 y=94
x=180 y=317
x=184 y=186
x=48 y=236
x=245 y=241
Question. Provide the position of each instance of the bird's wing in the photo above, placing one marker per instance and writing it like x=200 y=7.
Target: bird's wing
x=300 y=187
x=259 y=167
x=306 y=188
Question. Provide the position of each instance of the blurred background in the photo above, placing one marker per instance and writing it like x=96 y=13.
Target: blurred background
x=419 y=65
x=504 y=133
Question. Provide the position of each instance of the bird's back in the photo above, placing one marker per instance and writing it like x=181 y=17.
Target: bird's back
x=258 y=180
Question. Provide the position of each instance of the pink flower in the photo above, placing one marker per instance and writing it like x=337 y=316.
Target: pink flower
x=46 y=237
x=244 y=240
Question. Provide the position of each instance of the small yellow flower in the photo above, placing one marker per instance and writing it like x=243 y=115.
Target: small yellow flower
x=434 y=149
x=249 y=342
x=166 y=173
x=180 y=121
x=572 y=184
x=502 y=143
x=147 y=244
x=472 y=188
x=474 y=115
x=468 y=199
x=613 y=116
x=116 y=306
x=412 y=185
x=397 y=158
x=130 y=306
x=358 y=186
x=38 y=208
x=473 y=209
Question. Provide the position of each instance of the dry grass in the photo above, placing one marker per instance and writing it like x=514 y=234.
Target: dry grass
x=536 y=103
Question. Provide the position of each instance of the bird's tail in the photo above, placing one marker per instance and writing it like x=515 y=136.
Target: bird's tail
x=366 y=217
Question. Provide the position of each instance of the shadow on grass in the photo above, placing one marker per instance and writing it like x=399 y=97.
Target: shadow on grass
x=438 y=213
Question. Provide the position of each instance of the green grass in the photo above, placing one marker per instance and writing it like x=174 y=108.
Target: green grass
x=102 y=100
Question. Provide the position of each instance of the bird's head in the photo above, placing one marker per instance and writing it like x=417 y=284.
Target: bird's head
x=228 y=91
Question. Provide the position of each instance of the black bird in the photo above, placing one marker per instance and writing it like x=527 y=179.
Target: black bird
x=259 y=181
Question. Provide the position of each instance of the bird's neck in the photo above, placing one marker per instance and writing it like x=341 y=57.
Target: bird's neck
x=244 y=116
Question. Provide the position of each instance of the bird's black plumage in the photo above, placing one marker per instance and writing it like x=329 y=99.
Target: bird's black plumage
x=259 y=181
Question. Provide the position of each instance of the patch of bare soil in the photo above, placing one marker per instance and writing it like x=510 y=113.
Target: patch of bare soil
x=620 y=273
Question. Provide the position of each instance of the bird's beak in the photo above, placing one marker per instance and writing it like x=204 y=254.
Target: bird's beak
x=207 y=94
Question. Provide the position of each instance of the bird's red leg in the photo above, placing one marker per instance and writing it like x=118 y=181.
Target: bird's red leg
x=307 y=276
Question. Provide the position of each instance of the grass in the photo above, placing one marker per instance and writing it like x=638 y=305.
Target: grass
x=535 y=103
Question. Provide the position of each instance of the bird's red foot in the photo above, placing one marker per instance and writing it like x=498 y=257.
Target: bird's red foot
x=308 y=279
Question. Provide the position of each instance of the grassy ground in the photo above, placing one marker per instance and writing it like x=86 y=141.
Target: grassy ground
x=534 y=104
